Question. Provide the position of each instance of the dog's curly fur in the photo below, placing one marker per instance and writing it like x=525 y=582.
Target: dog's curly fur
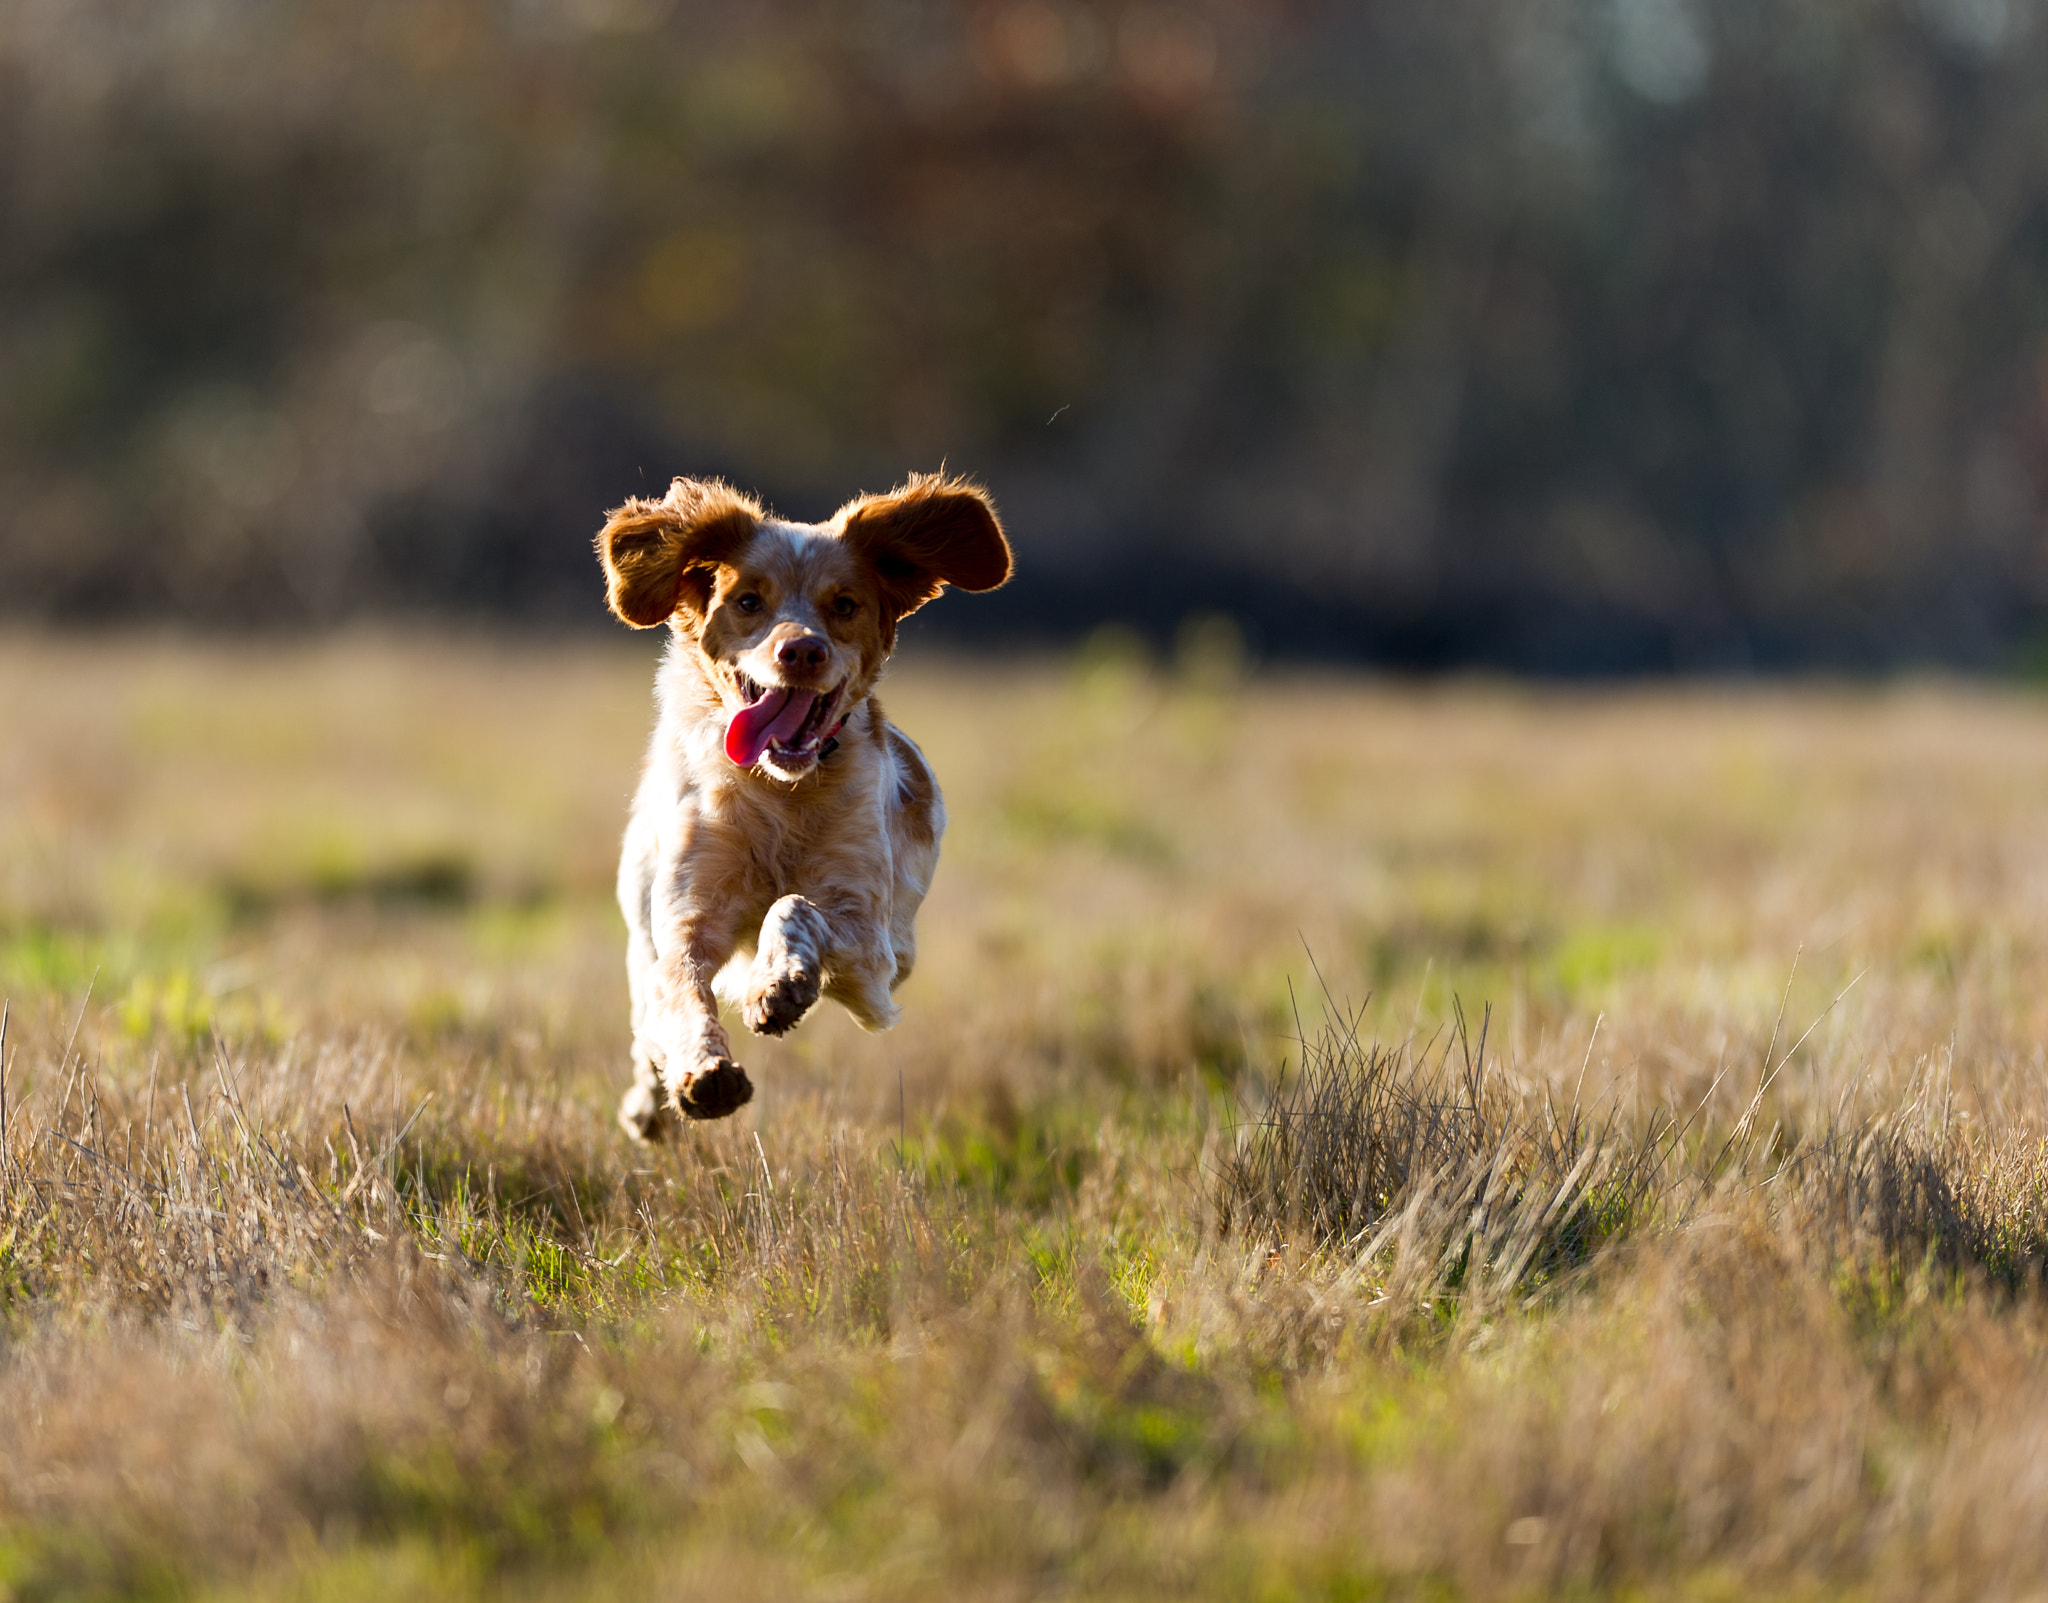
x=800 y=874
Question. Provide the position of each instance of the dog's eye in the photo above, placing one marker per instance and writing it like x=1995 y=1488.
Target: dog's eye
x=845 y=607
x=748 y=602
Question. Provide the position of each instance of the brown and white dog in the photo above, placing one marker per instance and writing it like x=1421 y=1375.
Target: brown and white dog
x=784 y=833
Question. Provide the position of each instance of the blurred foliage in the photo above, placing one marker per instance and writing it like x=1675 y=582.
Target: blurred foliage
x=1556 y=333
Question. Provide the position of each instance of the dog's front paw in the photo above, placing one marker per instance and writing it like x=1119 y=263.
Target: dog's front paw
x=779 y=996
x=715 y=1090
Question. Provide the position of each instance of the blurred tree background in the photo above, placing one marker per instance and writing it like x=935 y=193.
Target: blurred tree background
x=1569 y=335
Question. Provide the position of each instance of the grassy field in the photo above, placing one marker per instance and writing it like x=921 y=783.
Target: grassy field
x=1345 y=1141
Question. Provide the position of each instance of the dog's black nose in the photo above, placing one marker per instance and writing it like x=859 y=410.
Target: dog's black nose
x=801 y=651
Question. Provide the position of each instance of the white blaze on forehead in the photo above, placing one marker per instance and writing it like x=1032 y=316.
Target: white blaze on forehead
x=785 y=542
x=800 y=557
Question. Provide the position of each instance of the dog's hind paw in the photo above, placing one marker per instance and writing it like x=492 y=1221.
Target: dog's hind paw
x=643 y=1116
x=777 y=1002
x=715 y=1091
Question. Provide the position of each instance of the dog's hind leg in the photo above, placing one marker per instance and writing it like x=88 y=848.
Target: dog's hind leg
x=789 y=966
x=643 y=1111
x=861 y=968
x=916 y=824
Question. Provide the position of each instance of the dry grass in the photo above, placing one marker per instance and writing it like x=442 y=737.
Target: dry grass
x=323 y=1272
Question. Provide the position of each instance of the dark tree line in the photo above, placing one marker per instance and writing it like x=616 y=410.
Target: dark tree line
x=1570 y=334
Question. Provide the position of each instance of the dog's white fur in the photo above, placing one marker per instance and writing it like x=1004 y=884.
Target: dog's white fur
x=800 y=874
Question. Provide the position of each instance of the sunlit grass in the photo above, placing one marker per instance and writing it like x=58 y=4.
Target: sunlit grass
x=1181 y=1242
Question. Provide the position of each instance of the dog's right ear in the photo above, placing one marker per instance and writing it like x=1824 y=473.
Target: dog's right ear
x=661 y=556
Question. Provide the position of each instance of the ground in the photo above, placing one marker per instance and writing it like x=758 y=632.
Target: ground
x=1346 y=1139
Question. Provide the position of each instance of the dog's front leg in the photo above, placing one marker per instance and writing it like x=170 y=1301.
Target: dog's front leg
x=789 y=966
x=682 y=1033
x=831 y=941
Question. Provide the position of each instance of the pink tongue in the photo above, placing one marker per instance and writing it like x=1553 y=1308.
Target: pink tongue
x=778 y=715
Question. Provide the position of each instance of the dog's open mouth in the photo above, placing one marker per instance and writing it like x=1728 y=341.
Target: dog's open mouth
x=790 y=724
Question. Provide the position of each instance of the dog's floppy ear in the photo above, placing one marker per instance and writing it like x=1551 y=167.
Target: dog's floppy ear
x=932 y=532
x=661 y=555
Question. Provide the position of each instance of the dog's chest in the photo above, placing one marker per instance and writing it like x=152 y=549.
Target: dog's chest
x=804 y=841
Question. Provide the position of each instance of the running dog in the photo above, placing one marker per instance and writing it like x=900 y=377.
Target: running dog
x=784 y=833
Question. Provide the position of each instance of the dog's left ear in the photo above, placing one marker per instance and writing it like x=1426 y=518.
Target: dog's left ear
x=932 y=532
